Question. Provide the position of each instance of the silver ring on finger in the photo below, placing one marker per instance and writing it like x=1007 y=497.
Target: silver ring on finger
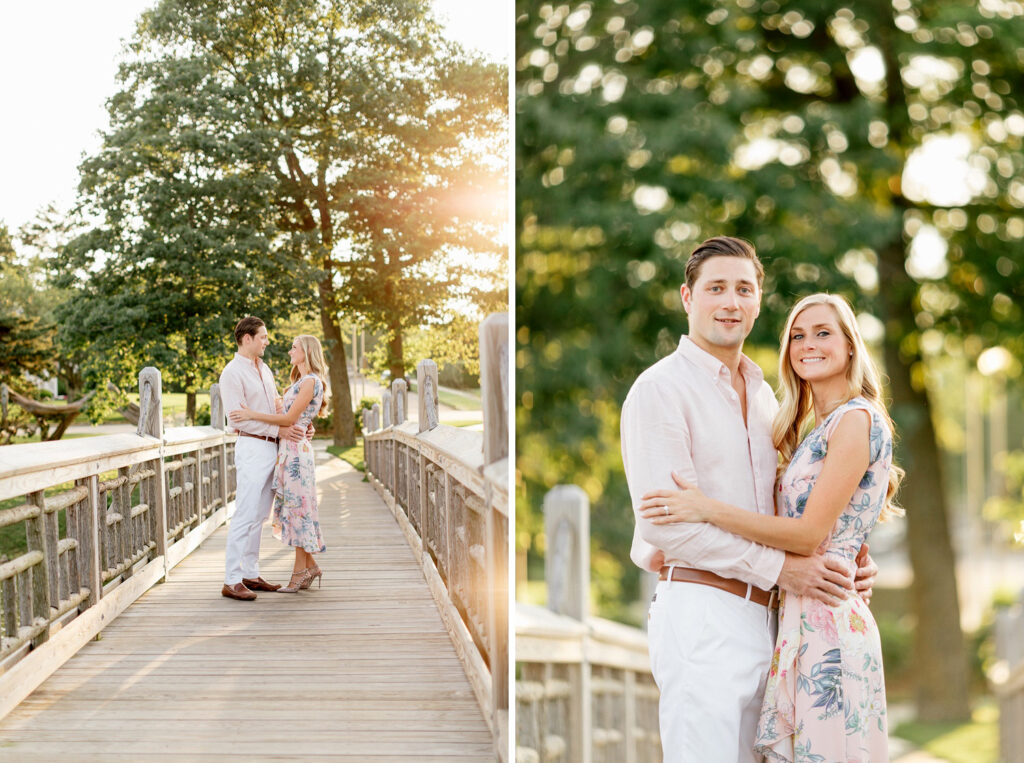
x=666 y=510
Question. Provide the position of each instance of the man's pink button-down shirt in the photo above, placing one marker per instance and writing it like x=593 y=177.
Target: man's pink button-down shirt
x=682 y=414
x=245 y=380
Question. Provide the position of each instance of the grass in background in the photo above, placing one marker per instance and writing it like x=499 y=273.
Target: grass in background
x=65 y=436
x=976 y=741
x=174 y=404
x=354 y=454
x=13 y=542
x=459 y=399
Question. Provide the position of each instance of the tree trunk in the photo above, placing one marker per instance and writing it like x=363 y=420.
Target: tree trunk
x=341 y=395
x=396 y=363
x=940 y=659
x=190 y=378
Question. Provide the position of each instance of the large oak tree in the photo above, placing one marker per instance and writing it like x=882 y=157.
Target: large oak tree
x=281 y=146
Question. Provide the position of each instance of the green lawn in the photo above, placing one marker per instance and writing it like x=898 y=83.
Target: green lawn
x=976 y=741
x=354 y=454
x=65 y=436
x=13 y=542
x=459 y=399
x=173 y=403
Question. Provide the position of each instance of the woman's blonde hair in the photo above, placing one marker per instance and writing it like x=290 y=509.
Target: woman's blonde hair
x=317 y=365
x=862 y=379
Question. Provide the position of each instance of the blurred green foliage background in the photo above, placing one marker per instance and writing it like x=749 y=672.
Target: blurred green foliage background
x=869 y=149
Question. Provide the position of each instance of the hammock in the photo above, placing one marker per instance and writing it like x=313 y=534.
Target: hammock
x=45 y=412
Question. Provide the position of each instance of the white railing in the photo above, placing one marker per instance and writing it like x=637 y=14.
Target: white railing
x=584 y=690
x=1007 y=679
x=448 y=489
x=132 y=505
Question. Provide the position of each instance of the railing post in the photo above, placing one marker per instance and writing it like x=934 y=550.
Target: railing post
x=494 y=392
x=151 y=423
x=1009 y=627
x=217 y=418
x=386 y=407
x=567 y=561
x=426 y=394
x=376 y=416
x=399 y=393
x=567 y=573
x=367 y=428
x=89 y=543
x=43 y=574
x=219 y=421
x=494 y=385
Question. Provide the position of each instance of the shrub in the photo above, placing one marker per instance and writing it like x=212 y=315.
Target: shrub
x=366 y=402
x=203 y=415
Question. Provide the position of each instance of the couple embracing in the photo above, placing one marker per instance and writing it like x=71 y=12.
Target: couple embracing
x=742 y=516
x=274 y=461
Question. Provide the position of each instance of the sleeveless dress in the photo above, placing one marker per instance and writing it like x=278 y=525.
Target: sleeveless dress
x=825 y=698
x=295 y=520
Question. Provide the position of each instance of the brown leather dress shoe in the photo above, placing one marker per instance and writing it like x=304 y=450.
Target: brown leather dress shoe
x=237 y=591
x=259 y=584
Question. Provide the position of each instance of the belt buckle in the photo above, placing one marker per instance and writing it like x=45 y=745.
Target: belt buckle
x=773 y=597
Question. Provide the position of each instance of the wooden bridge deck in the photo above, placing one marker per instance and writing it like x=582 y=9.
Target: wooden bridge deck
x=362 y=670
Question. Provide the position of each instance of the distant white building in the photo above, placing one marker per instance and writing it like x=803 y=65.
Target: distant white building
x=49 y=384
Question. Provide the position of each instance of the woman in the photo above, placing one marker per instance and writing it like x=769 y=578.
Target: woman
x=825 y=698
x=295 y=519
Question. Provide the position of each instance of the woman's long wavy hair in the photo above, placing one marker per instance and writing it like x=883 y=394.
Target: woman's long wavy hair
x=317 y=365
x=862 y=379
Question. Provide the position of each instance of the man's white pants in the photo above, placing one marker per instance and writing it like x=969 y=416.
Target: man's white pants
x=710 y=654
x=254 y=474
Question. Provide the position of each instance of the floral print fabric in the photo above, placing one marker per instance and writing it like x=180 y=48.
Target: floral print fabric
x=825 y=698
x=295 y=520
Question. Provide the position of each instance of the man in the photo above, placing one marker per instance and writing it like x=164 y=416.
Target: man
x=247 y=379
x=705 y=413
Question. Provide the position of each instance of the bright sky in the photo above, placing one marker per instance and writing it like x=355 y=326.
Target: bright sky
x=57 y=65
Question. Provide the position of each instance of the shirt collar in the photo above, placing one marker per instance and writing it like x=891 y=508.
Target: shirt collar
x=713 y=366
x=244 y=360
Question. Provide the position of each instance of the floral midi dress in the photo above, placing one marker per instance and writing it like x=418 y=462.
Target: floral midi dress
x=295 y=520
x=825 y=698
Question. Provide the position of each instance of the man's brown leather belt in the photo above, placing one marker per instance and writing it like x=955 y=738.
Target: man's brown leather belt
x=259 y=437
x=768 y=599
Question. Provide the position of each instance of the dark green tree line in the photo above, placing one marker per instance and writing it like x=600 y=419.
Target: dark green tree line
x=643 y=128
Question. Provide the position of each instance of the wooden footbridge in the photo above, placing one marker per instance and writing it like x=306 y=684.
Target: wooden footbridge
x=117 y=645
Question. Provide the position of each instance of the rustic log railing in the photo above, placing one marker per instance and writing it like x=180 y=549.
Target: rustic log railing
x=132 y=505
x=448 y=490
x=1007 y=679
x=584 y=690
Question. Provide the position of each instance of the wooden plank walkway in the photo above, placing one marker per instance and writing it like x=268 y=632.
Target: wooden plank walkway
x=362 y=670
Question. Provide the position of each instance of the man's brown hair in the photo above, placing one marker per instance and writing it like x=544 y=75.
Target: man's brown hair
x=722 y=246
x=248 y=325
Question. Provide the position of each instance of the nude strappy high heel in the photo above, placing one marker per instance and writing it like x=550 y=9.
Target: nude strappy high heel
x=298 y=581
x=314 y=573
